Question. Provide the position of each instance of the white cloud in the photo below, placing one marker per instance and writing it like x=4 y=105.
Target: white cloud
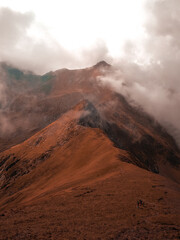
x=154 y=84
x=41 y=53
x=48 y=35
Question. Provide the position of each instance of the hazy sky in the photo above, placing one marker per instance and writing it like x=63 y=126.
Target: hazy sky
x=140 y=37
x=72 y=33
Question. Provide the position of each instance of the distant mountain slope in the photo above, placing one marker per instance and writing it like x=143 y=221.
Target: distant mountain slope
x=74 y=159
x=62 y=153
x=81 y=143
x=129 y=129
x=69 y=181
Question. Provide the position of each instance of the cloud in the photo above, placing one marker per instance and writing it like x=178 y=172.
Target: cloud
x=149 y=73
x=95 y=53
x=12 y=27
x=40 y=53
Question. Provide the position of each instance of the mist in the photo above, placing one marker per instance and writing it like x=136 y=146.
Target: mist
x=148 y=74
x=41 y=53
x=147 y=71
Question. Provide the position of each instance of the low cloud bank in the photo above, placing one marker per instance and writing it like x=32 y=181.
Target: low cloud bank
x=149 y=73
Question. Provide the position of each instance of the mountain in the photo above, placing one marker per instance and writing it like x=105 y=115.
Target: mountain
x=76 y=158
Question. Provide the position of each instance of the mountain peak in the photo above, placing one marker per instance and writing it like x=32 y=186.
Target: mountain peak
x=102 y=64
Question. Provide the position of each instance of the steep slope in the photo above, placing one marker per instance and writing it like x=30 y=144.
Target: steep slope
x=27 y=106
x=72 y=162
x=68 y=181
x=85 y=120
x=31 y=102
x=129 y=128
x=60 y=151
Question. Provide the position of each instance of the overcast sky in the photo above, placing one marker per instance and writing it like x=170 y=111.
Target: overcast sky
x=140 y=37
x=67 y=33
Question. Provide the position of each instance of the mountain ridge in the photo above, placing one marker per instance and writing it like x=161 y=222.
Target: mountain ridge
x=83 y=147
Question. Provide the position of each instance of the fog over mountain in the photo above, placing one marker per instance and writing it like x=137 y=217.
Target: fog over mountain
x=147 y=70
x=149 y=73
x=89 y=119
x=43 y=53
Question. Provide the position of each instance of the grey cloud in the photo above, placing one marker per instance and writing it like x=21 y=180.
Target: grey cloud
x=20 y=50
x=12 y=27
x=43 y=54
x=95 y=53
x=154 y=84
